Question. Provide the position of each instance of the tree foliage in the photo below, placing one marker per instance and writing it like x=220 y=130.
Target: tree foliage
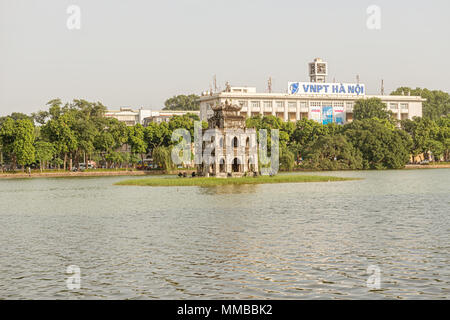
x=45 y=152
x=371 y=108
x=429 y=136
x=382 y=145
x=17 y=140
x=162 y=157
x=332 y=152
x=437 y=104
x=182 y=102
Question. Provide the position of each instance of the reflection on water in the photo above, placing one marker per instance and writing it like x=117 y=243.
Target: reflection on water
x=229 y=189
x=294 y=241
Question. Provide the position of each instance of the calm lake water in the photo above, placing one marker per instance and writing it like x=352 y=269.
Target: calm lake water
x=280 y=241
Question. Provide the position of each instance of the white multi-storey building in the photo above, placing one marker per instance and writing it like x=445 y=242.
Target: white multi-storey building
x=132 y=117
x=317 y=100
x=128 y=115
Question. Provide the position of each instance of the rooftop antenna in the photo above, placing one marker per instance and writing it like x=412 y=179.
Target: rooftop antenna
x=269 y=85
x=382 y=87
x=215 y=83
x=357 y=78
x=334 y=80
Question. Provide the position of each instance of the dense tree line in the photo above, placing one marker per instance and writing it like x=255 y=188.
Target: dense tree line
x=65 y=135
x=374 y=140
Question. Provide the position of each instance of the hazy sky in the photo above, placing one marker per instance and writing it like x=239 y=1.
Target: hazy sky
x=140 y=52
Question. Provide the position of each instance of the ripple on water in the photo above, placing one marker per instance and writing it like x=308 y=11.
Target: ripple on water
x=287 y=241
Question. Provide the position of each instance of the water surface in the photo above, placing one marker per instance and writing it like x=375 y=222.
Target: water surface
x=277 y=241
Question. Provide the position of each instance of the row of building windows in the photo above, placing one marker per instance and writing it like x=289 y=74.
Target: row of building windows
x=293 y=104
x=394 y=106
x=304 y=104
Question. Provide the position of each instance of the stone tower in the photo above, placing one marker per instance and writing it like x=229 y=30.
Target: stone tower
x=228 y=148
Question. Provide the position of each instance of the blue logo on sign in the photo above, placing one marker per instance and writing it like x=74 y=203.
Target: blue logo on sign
x=294 y=88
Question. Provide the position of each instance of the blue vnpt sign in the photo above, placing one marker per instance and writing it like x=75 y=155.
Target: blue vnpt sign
x=293 y=87
x=313 y=88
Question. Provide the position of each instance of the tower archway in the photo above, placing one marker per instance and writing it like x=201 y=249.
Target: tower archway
x=236 y=165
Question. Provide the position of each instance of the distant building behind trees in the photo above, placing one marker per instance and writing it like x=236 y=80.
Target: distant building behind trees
x=132 y=117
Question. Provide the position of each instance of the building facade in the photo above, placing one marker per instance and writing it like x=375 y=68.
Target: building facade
x=165 y=116
x=142 y=116
x=317 y=100
x=128 y=115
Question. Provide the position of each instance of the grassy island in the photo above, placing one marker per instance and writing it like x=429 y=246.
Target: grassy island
x=211 y=181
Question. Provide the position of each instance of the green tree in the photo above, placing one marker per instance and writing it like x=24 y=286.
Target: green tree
x=116 y=159
x=437 y=104
x=162 y=157
x=181 y=122
x=371 y=108
x=110 y=138
x=306 y=132
x=136 y=140
x=59 y=131
x=23 y=145
x=15 y=116
x=17 y=140
x=443 y=135
x=44 y=153
x=268 y=123
x=332 y=152
x=287 y=159
x=7 y=137
x=157 y=135
x=40 y=117
x=182 y=102
x=425 y=136
x=382 y=145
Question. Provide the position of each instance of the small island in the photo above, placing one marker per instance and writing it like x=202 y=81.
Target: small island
x=211 y=181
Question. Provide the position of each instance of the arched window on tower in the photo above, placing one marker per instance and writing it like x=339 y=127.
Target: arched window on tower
x=235 y=142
